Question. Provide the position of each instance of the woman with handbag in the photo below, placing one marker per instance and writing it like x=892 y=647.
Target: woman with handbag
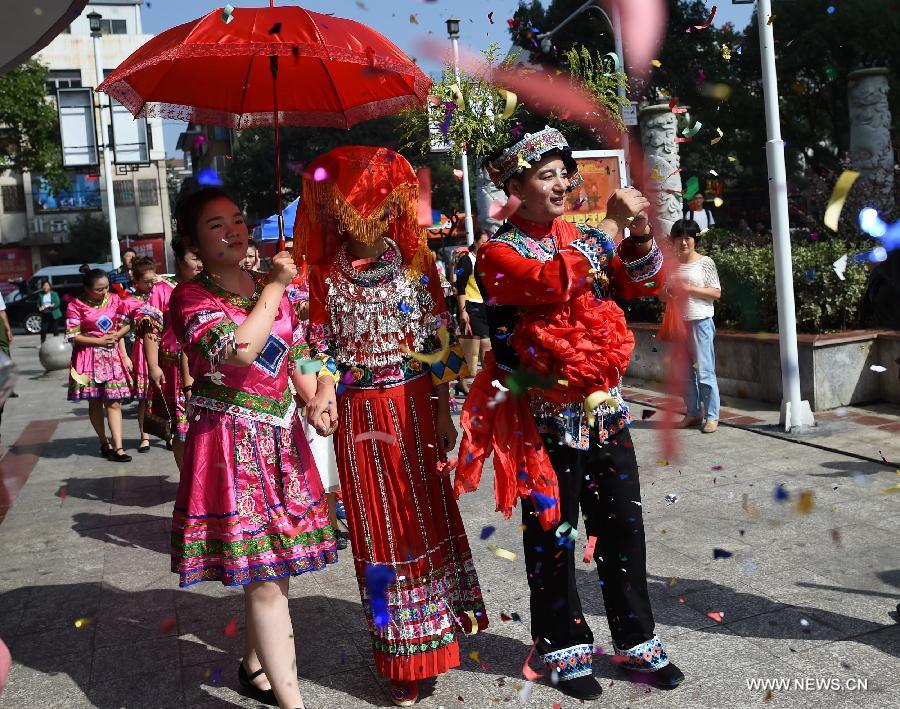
x=167 y=413
x=695 y=285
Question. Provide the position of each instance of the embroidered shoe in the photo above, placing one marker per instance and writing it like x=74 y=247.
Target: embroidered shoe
x=404 y=694
x=584 y=688
x=648 y=663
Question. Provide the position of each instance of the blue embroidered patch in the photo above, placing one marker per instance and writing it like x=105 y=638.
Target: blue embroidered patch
x=269 y=360
x=104 y=323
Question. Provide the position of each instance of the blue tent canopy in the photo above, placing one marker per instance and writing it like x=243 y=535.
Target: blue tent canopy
x=268 y=228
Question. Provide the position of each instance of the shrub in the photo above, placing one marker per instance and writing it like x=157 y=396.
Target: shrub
x=824 y=303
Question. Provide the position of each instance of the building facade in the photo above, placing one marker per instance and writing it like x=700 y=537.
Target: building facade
x=34 y=219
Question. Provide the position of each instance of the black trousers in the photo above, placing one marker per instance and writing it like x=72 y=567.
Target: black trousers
x=604 y=481
x=48 y=322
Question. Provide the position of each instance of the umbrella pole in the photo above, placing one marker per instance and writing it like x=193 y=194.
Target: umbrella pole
x=273 y=66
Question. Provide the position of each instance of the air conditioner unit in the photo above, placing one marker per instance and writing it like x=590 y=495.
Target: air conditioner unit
x=58 y=225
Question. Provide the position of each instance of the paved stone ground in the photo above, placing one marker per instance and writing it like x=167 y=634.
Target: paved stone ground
x=802 y=596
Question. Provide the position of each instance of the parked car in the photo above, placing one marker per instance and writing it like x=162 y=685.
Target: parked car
x=22 y=308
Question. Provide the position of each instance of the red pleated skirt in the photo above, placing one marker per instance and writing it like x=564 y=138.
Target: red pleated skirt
x=401 y=513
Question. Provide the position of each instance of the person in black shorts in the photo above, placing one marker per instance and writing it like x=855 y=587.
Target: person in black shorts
x=472 y=314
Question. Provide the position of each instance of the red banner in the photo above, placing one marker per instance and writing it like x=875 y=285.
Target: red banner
x=151 y=248
x=15 y=263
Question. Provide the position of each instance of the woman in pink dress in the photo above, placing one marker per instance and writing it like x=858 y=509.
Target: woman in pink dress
x=143 y=276
x=96 y=322
x=250 y=508
x=163 y=351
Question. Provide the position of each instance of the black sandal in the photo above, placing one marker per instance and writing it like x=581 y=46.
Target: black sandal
x=248 y=689
x=143 y=448
x=122 y=457
x=106 y=450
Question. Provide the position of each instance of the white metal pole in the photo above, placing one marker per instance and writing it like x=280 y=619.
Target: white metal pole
x=107 y=161
x=794 y=411
x=616 y=24
x=467 y=201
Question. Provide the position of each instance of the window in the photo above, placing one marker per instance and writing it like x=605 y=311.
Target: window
x=62 y=79
x=76 y=127
x=13 y=198
x=148 y=194
x=113 y=27
x=123 y=193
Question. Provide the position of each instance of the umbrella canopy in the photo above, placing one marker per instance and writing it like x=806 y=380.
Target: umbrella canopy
x=267 y=230
x=330 y=72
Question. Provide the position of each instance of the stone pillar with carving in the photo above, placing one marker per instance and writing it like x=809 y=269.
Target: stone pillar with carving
x=659 y=128
x=870 y=135
x=486 y=193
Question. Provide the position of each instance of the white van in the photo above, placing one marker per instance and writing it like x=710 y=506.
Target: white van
x=68 y=275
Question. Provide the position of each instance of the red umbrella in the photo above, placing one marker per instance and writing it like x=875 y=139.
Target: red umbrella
x=267 y=66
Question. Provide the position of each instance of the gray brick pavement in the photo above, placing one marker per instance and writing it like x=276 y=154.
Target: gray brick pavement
x=802 y=596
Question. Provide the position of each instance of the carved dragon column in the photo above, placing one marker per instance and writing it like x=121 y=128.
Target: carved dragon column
x=870 y=136
x=658 y=130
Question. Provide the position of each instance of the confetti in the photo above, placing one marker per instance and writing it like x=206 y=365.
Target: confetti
x=527 y=672
x=656 y=62
x=709 y=20
x=423 y=175
x=692 y=131
x=716 y=615
x=167 y=625
x=474 y=655
x=62 y=493
x=719 y=137
x=491 y=17
x=594 y=401
x=771 y=19
x=542 y=502
x=501 y=552
x=511 y=101
x=805 y=503
x=525 y=692
x=310 y=366
x=275 y=29
x=726 y=52
x=780 y=493
x=413 y=20
x=82 y=623
x=589 y=550
x=208 y=177
x=375 y=436
x=227 y=17
x=320 y=174
x=579 y=203
x=890 y=490
x=840 y=267
x=501 y=212
x=675 y=108
x=231 y=630
x=79 y=378
x=838 y=197
x=878 y=368
x=722 y=553
x=767 y=697
x=647 y=414
x=431 y=358
x=836 y=538
x=487 y=531
x=568 y=531
x=378 y=578
x=523 y=163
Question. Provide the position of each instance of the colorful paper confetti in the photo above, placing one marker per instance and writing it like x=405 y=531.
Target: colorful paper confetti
x=376 y=436
x=838 y=197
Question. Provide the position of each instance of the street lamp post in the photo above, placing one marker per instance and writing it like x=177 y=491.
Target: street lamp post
x=453 y=33
x=94 y=21
x=795 y=412
x=615 y=24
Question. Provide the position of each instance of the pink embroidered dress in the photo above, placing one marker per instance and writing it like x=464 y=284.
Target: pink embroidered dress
x=132 y=304
x=97 y=372
x=250 y=505
x=153 y=316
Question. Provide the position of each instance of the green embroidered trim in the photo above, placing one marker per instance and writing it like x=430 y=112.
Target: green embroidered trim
x=237 y=300
x=254 y=402
x=209 y=344
x=414 y=648
x=300 y=351
x=251 y=547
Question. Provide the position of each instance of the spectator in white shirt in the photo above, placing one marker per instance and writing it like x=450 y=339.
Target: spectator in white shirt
x=695 y=282
x=697 y=211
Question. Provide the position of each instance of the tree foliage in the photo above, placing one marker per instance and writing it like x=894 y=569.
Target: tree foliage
x=251 y=176
x=29 y=126
x=91 y=235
